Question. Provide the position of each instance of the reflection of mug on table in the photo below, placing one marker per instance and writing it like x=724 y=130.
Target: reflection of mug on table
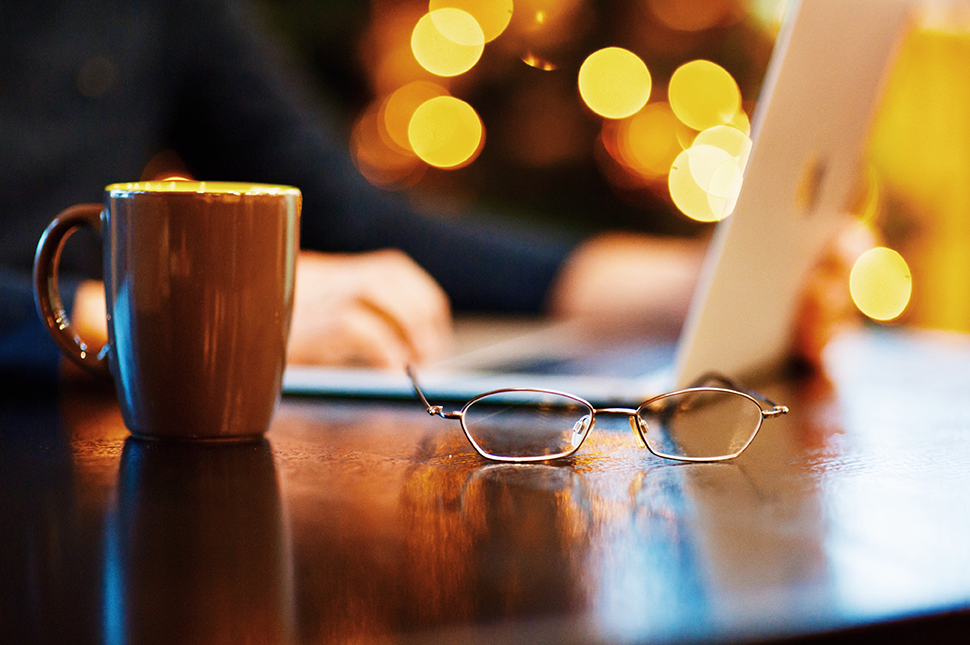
x=199 y=281
x=196 y=550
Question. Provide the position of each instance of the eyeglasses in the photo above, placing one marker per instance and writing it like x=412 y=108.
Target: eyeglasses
x=715 y=419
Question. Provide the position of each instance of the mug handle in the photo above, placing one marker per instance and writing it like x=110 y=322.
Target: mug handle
x=46 y=293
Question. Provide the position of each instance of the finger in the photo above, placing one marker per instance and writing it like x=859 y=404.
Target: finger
x=827 y=308
x=357 y=336
x=330 y=287
x=410 y=301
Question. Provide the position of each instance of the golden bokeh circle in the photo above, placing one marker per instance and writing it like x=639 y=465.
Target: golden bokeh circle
x=881 y=284
x=447 y=42
x=614 y=82
x=703 y=94
x=493 y=16
x=445 y=132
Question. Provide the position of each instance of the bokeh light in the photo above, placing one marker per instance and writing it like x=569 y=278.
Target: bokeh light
x=694 y=15
x=731 y=140
x=447 y=42
x=548 y=34
x=705 y=180
x=386 y=47
x=397 y=110
x=881 y=284
x=493 y=16
x=532 y=60
x=446 y=132
x=647 y=141
x=380 y=162
x=740 y=121
x=614 y=82
x=686 y=193
x=703 y=94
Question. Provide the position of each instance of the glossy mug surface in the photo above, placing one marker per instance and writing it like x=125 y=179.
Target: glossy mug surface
x=199 y=281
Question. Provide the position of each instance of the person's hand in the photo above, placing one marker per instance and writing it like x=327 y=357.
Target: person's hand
x=826 y=308
x=378 y=309
x=636 y=280
x=626 y=280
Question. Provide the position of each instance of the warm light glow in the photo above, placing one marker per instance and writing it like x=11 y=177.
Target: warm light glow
x=693 y=15
x=919 y=148
x=740 y=121
x=881 y=284
x=387 y=48
x=768 y=14
x=688 y=196
x=532 y=60
x=614 y=82
x=493 y=16
x=193 y=186
x=648 y=142
x=868 y=207
x=703 y=94
x=705 y=180
x=731 y=140
x=447 y=42
x=703 y=160
x=378 y=159
x=397 y=110
x=446 y=132
x=724 y=187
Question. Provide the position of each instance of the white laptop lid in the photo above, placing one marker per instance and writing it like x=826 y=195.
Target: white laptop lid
x=825 y=76
x=809 y=130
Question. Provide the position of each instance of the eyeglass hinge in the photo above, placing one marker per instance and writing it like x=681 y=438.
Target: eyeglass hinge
x=438 y=411
x=776 y=411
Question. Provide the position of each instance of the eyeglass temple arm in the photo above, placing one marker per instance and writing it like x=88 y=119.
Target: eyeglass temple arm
x=711 y=378
x=433 y=410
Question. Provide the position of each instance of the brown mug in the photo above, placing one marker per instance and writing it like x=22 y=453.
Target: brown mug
x=199 y=282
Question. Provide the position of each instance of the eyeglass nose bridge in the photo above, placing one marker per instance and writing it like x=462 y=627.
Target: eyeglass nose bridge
x=636 y=424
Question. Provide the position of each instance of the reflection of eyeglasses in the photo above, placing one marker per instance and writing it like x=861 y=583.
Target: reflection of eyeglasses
x=713 y=420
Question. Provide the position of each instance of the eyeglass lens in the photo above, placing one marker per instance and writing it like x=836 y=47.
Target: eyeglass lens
x=526 y=424
x=700 y=424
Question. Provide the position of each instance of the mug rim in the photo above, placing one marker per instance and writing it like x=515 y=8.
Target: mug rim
x=181 y=186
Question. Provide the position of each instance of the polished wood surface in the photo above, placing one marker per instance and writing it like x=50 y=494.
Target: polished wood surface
x=373 y=522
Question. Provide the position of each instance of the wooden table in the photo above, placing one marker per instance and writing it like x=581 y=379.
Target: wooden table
x=364 y=521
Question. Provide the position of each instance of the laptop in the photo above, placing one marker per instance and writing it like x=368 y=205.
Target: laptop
x=800 y=184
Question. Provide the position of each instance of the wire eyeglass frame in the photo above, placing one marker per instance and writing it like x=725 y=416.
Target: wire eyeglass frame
x=708 y=383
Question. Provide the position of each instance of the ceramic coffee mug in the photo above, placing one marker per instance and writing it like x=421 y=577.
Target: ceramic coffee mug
x=199 y=280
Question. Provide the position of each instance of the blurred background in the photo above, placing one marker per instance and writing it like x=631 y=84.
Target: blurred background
x=528 y=139
x=543 y=153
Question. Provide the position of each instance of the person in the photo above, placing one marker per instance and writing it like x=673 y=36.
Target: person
x=91 y=95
